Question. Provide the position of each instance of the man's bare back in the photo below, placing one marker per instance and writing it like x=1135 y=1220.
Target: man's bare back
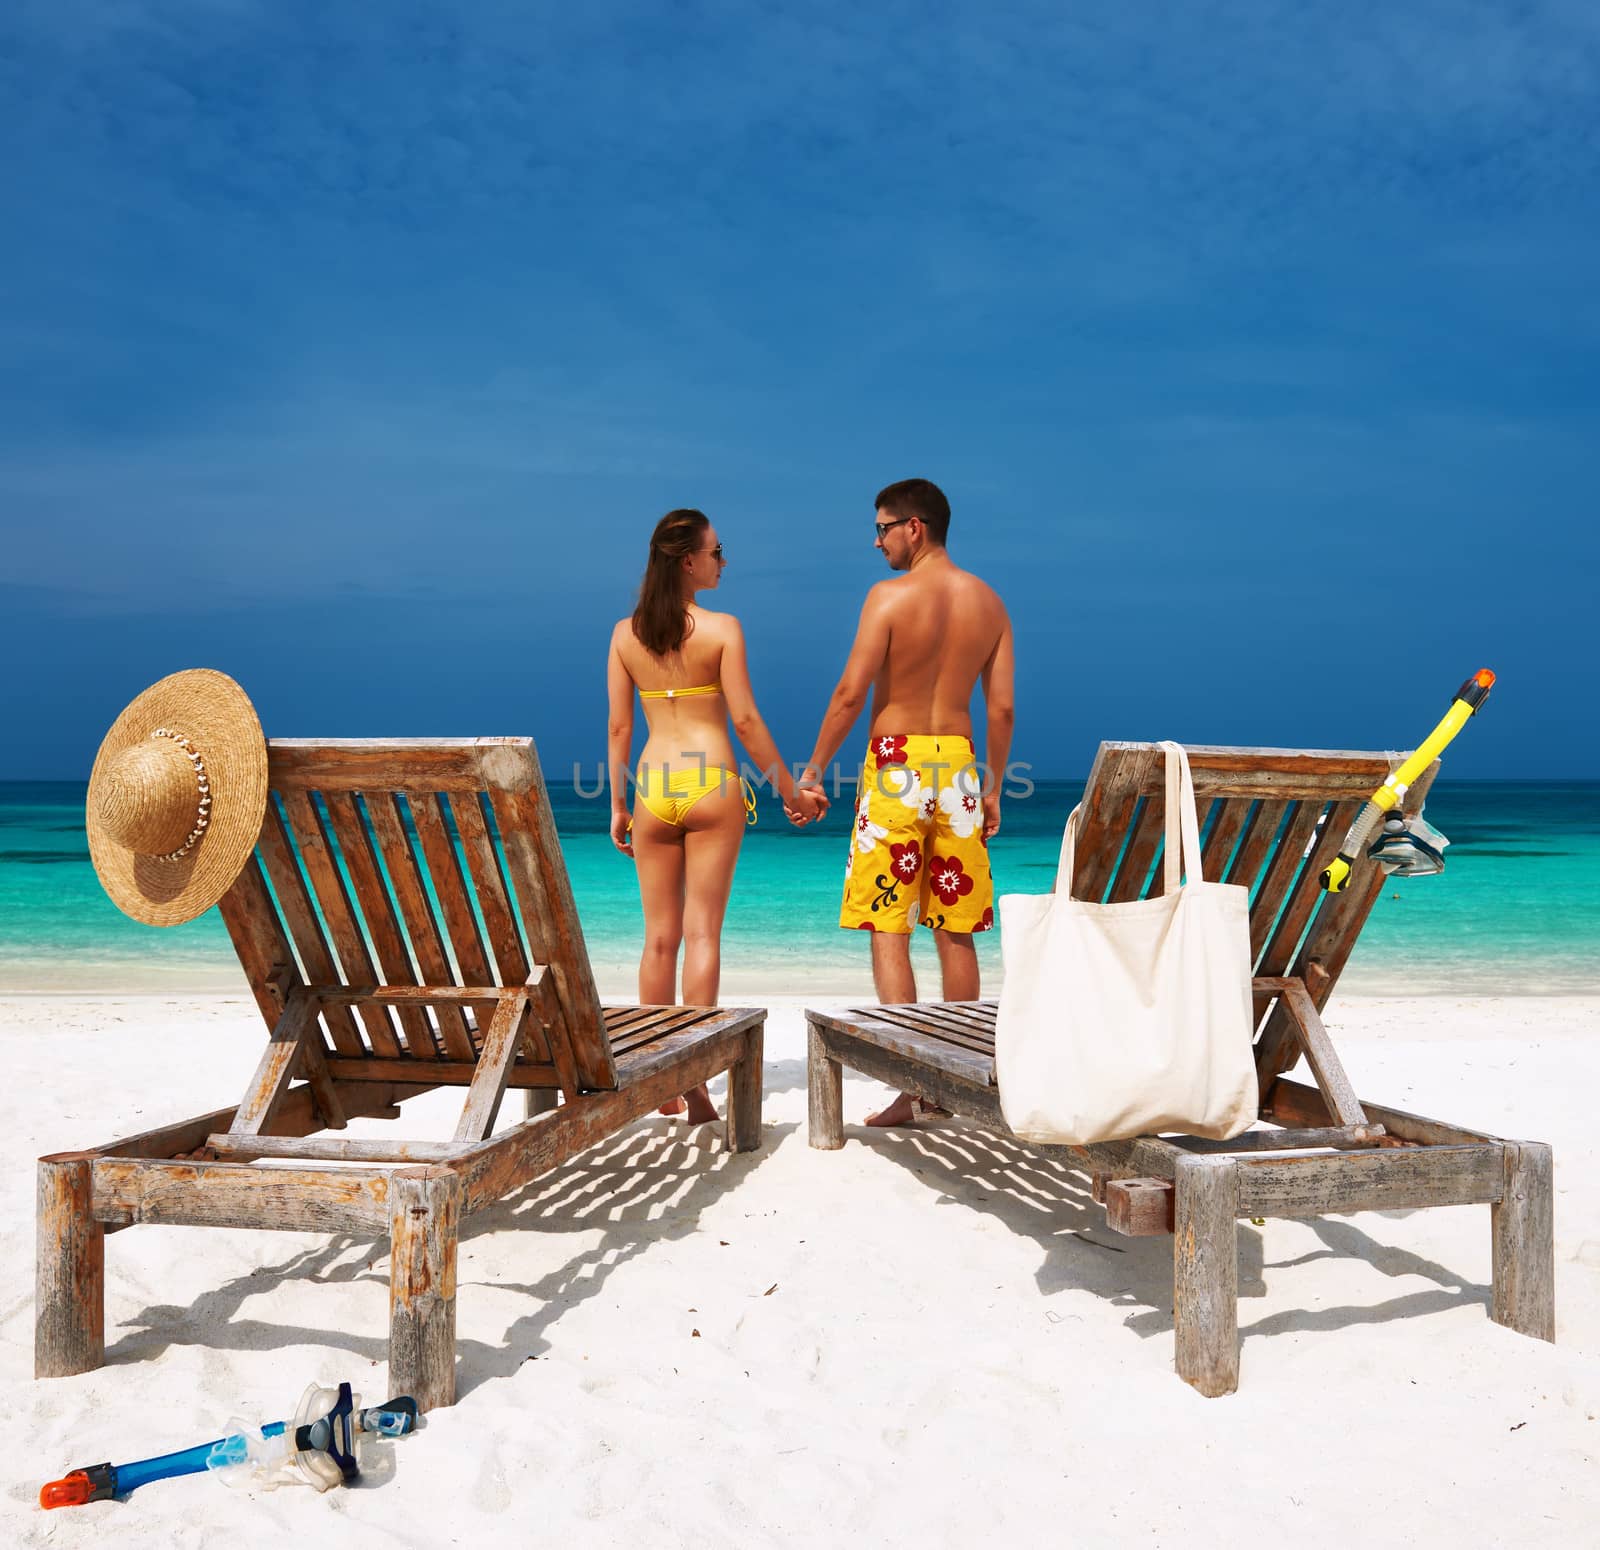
x=943 y=626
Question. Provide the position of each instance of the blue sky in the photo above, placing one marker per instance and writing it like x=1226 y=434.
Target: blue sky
x=354 y=349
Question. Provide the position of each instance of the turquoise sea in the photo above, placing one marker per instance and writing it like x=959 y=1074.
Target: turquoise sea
x=1517 y=909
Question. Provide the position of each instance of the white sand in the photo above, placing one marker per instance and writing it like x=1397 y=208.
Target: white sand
x=925 y=1337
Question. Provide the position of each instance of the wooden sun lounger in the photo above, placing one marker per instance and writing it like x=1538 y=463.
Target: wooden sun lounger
x=1272 y=819
x=406 y=923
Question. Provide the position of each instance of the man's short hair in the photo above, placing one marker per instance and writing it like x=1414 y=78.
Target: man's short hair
x=919 y=498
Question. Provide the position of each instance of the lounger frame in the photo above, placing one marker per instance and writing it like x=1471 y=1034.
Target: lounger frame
x=406 y=923
x=1273 y=818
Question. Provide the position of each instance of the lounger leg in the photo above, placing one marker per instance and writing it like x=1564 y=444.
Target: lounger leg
x=70 y=1290
x=1205 y=1274
x=1523 y=1227
x=744 y=1096
x=825 y=1082
x=424 y=1224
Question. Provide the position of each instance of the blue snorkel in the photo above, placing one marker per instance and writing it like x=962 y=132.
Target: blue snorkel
x=317 y=1448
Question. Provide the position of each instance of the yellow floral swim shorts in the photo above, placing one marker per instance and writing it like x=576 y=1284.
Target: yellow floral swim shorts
x=917 y=851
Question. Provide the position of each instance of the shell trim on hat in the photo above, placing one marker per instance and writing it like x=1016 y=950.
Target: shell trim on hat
x=212 y=783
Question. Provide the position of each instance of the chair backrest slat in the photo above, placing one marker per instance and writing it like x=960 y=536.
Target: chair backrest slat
x=1262 y=829
x=258 y=938
x=1109 y=802
x=1140 y=855
x=276 y=851
x=1333 y=934
x=1224 y=836
x=499 y=911
x=422 y=929
x=450 y=888
x=533 y=859
x=427 y=863
x=334 y=905
x=377 y=911
x=1286 y=934
x=489 y=888
x=1284 y=865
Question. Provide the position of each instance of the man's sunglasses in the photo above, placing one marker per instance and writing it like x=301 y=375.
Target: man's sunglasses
x=883 y=527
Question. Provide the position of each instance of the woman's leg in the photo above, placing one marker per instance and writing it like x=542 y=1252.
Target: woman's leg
x=658 y=858
x=714 y=830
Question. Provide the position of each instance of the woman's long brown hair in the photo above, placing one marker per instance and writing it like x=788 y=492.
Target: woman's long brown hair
x=660 y=620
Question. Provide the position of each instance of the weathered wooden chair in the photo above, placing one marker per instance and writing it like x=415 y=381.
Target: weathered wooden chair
x=1272 y=820
x=406 y=923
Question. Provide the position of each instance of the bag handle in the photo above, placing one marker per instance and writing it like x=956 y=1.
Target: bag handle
x=1182 y=850
x=1069 y=849
x=1181 y=853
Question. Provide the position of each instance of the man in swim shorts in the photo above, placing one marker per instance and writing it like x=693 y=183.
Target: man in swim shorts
x=926 y=808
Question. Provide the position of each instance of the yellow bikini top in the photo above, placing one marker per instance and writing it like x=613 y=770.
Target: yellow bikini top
x=679 y=694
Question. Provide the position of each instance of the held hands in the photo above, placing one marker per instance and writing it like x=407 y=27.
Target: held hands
x=621 y=824
x=991 y=813
x=809 y=804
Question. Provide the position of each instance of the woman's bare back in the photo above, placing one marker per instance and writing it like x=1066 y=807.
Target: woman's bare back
x=687 y=728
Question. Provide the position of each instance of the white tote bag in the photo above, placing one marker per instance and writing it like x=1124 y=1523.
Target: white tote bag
x=1121 y=1020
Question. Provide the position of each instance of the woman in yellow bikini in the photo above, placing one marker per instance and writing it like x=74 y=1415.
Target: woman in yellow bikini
x=690 y=804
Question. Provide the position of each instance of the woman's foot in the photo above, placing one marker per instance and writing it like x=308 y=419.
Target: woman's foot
x=701 y=1109
x=697 y=1103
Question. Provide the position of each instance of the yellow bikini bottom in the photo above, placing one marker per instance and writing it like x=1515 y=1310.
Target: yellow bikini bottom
x=670 y=794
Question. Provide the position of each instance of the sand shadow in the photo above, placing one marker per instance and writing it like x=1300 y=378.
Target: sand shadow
x=1344 y=1240
x=639 y=1188
x=642 y=1185
x=783 y=1076
x=1042 y=1198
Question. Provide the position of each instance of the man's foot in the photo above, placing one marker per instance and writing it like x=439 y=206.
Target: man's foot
x=907 y=1109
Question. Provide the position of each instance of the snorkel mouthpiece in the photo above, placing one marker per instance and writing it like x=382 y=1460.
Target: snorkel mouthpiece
x=96 y=1483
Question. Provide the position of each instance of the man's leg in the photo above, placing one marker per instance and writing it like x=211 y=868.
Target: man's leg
x=892 y=975
x=958 y=965
x=896 y=984
x=963 y=907
x=883 y=888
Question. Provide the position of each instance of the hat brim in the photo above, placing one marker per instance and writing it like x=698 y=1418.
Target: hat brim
x=211 y=710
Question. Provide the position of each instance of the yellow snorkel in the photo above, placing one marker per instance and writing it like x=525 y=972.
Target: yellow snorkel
x=1392 y=792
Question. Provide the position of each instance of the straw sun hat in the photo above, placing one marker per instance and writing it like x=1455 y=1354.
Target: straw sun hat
x=177 y=796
